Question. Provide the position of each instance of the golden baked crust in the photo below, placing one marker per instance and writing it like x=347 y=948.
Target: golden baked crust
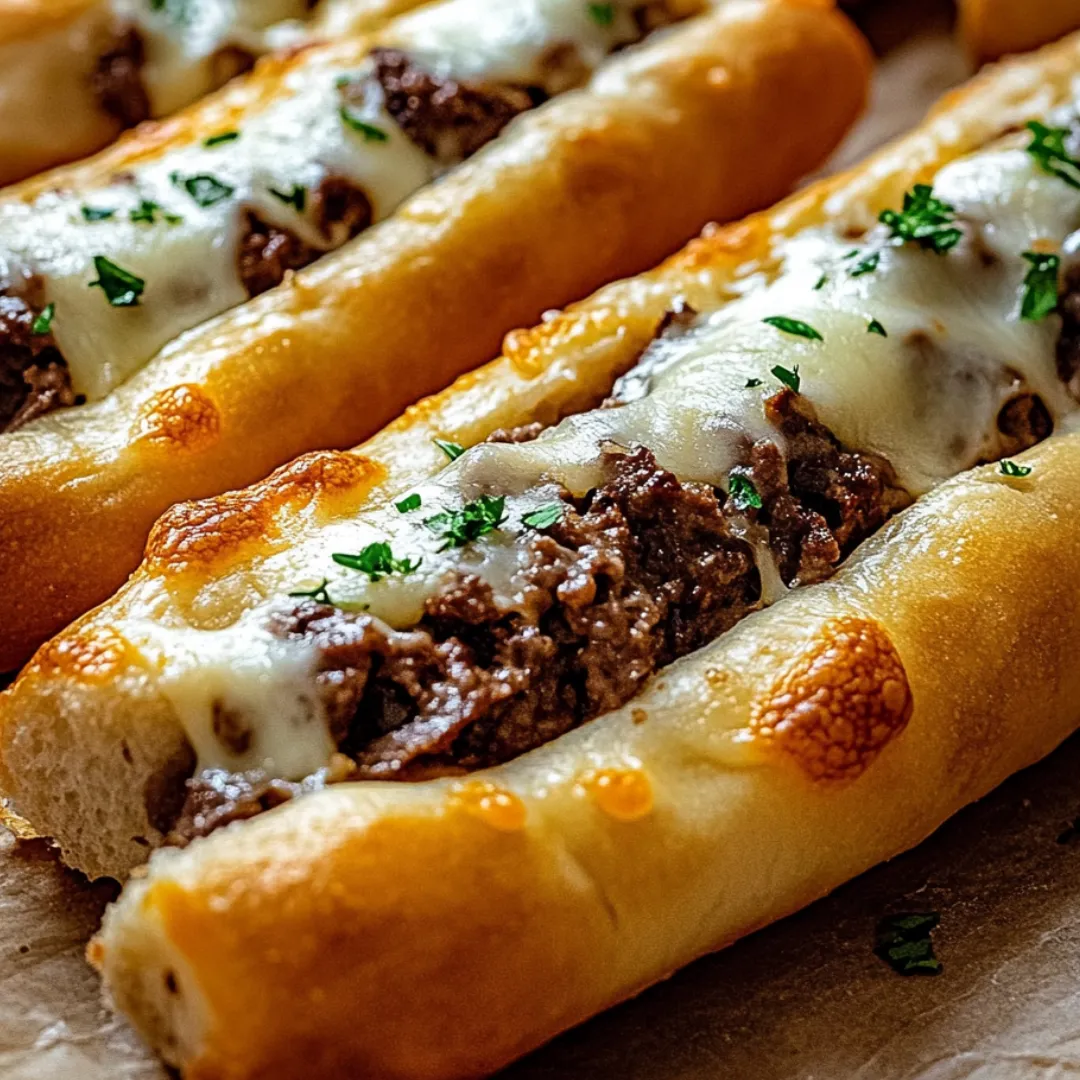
x=728 y=110
x=48 y=52
x=992 y=28
x=437 y=930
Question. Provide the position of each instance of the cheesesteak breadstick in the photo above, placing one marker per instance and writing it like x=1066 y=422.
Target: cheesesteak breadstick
x=224 y=201
x=743 y=575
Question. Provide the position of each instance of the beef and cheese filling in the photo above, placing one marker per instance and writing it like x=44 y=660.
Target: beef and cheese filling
x=541 y=579
x=120 y=270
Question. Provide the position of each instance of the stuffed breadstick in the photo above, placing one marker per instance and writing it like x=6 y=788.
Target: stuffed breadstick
x=992 y=28
x=725 y=108
x=749 y=575
x=74 y=73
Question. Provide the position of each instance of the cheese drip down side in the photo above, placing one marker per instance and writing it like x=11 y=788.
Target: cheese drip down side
x=175 y=223
x=925 y=396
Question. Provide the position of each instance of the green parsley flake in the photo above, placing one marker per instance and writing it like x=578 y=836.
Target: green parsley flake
x=221 y=139
x=751 y=383
x=297 y=198
x=376 y=560
x=121 y=288
x=874 y=327
x=451 y=449
x=318 y=594
x=602 y=14
x=97 y=213
x=147 y=211
x=410 y=502
x=793 y=326
x=1040 y=286
x=821 y=282
x=743 y=493
x=1010 y=468
x=904 y=943
x=544 y=517
x=924 y=220
x=1047 y=147
x=867 y=265
x=43 y=321
x=475 y=519
x=370 y=132
x=205 y=189
x=790 y=379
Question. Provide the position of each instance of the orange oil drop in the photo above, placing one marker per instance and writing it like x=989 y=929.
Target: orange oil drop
x=495 y=806
x=625 y=794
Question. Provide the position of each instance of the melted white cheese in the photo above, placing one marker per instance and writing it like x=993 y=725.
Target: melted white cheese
x=183 y=41
x=926 y=396
x=188 y=262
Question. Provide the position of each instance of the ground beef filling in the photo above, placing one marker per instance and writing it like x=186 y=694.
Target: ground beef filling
x=34 y=379
x=267 y=252
x=116 y=81
x=639 y=572
x=1068 y=344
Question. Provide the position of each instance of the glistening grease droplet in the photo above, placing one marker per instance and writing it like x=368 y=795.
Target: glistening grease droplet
x=625 y=794
x=495 y=806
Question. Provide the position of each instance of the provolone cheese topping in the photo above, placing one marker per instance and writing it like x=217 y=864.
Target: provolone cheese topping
x=926 y=396
x=184 y=250
x=183 y=40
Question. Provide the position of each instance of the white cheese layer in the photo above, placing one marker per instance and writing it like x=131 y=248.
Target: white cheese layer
x=184 y=41
x=185 y=255
x=926 y=396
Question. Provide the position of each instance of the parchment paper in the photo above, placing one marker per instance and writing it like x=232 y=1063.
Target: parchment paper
x=805 y=998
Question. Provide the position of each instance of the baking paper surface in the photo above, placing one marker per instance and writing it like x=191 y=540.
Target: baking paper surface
x=805 y=998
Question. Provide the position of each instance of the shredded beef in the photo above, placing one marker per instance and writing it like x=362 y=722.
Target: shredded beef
x=116 y=80
x=447 y=119
x=1022 y=422
x=267 y=252
x=34 y=379
x=1068 y=344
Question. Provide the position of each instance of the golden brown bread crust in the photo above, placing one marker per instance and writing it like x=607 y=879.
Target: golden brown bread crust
x=48 y=52
x=992 y=28
x=727 y=110
x=468 y=921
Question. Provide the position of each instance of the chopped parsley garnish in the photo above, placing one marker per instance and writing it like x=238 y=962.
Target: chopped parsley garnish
x=318 y=594
x=751 y=383
x=1040 y=286
x=296 y=198
x=176 y=10
x=475 y=519
x=221 y=138
x=376 y=560
x=97 y=213
x=451 y=449
x=790 y=379
x=121 y=289
x=867 y=265
x=410 y=502
x=903 y=942
x=874 y=327
x=147 y=212
x=924 y=220
x=793 y=326
x=205 y=189
x=602 y=14
x=1010 y=468
x=821 y=282
x=543 y=517
x=743 y=493
x=1047 y=147
x=370 y=132
x=43 y=322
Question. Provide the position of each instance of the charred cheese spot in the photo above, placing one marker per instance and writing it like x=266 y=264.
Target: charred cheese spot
x=325 y=473
x=495 y=806
x=839 y=705
x=742 y=240
x=180 y=418
x=87 y=654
